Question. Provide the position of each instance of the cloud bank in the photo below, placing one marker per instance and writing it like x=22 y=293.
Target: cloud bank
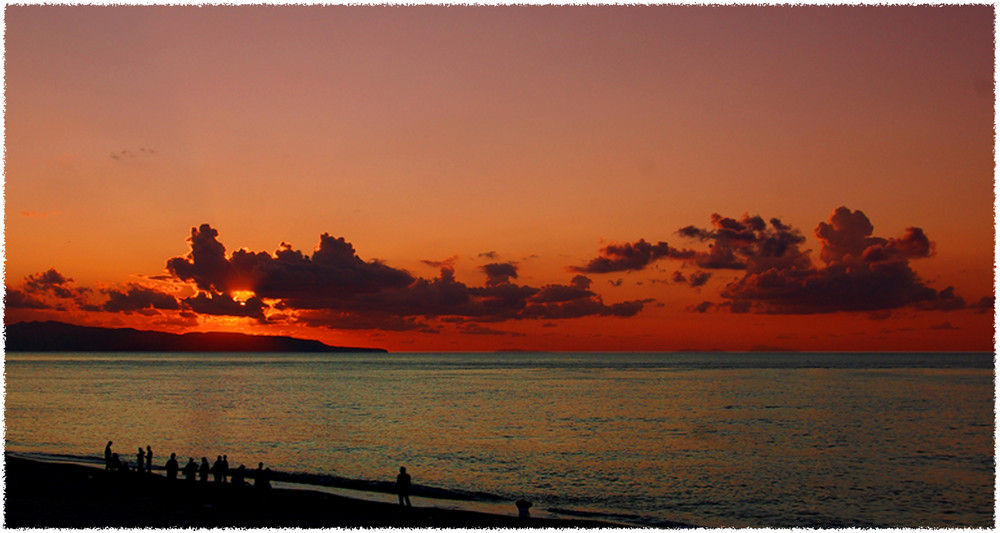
x=336 y=288
x=857 y=272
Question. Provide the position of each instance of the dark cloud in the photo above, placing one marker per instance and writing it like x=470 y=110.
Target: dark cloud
x=130 y=154
x=47 y=290
x=860 y=273
x=15 y=299
x=749 y=244
x=478 y=329
x=54 y=283
x=206 y=264
x=945 y=300
x=224 y=305
x=138 y=298
x=696 y=279
x=450 y=262
x=629 y=257
x=703 y=307
x=336 y=288
x=578 y=289
x=497 y=273
x=334 y=268
x=847 y=236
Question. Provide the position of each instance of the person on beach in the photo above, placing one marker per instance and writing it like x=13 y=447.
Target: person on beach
x=262 y=477
x=171 y=466
x=224 y=471
x=149 y=460
x=403 y=487
x=107 y=456
x=239 y=475
x=203 y=471
x=190 y=469
x=140 y=460
x=217 y=469
x=522 y=508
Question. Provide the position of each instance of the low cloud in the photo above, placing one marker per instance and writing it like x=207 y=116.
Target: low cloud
x=748 y=243
x=696 y=279
x=225 y=305
x=336 y=288
x=499 y=273
x=47 y=290
x=138 y=298
x=858 y=271
x=122 y=155
x=630 y=256
x=15 y=299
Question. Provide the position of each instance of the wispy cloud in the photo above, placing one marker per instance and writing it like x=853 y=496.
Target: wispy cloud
x=122 y=155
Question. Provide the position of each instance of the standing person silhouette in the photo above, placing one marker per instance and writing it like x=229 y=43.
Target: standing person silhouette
x=190 y=470
x=217 y=470
x=107 y=456
x=262 y=477
x=171 y=466
x=140 y=461
x=149 y=460
x=224 y=469
x=203 y=471
x=403 y=487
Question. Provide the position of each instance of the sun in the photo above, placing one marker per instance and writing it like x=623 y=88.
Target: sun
x=242 y=296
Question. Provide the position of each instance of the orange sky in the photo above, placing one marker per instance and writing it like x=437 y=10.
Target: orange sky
x=558 y=178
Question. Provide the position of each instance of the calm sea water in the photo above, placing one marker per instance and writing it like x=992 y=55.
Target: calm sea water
x=772 y=440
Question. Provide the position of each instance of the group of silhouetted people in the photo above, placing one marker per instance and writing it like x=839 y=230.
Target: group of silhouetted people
x=143 y=460
x=220 y=471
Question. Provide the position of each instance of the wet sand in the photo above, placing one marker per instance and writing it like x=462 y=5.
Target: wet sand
x=49 y=495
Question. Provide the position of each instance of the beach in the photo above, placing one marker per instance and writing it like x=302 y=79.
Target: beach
x=58 y=495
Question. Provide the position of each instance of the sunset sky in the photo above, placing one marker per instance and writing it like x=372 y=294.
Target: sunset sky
x=492 y=178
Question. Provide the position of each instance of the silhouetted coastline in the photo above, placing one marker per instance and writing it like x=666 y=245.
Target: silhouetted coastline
x=54 y=336
x=92 y=497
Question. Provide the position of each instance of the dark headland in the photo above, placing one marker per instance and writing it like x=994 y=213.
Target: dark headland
x=61 y=337
x=56 y=495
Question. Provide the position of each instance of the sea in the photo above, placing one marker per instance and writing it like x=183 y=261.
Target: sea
x=773 y=440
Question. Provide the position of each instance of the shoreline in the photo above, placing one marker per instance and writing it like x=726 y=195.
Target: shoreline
x=43 y=494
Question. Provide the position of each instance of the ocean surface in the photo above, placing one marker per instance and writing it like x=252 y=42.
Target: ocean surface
x=715 y=439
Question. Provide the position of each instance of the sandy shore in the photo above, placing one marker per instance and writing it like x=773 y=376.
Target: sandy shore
x=41 y=494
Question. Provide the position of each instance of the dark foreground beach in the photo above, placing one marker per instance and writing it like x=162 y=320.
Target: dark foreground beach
x=42 y=494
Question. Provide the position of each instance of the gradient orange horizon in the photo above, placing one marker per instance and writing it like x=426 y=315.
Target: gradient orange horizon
x=534 y=137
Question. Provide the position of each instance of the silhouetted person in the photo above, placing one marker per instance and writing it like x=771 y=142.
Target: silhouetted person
x=171 y=466
x=107 y=456
x=217 y=469
x=203 y=471
x=190 y=469
x=140 y=460
x=239 y=475
x=262 y=477
x=224 y=470
x=149 y=459
x=522 y=508
x=115 y=463
x=403 y=487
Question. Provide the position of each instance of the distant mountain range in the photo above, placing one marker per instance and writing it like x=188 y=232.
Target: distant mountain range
x=61 y=337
